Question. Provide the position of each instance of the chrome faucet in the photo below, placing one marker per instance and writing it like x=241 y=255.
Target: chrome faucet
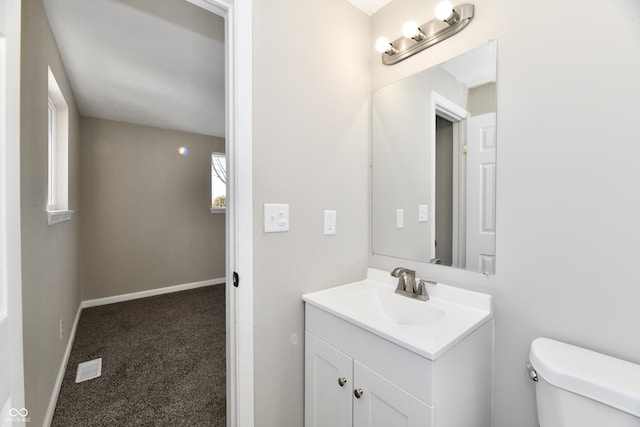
x=407 y=284
x=406 y=279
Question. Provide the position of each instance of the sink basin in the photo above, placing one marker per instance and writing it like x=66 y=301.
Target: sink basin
x=391 y=307
x=428 y=328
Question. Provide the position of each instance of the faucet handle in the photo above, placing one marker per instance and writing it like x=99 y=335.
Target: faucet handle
x=421 y=288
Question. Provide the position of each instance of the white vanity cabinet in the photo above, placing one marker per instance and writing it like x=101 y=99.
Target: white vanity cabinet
x=342 y=392
x=396 y=386
x=328 y=384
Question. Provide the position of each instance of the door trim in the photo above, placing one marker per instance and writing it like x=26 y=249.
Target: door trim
x=239 y=216
x=10 y=242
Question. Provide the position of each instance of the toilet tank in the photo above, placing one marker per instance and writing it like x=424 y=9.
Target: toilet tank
x=581 y=388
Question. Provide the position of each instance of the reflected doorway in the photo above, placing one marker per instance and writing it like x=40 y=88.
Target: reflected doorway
x=444 y=191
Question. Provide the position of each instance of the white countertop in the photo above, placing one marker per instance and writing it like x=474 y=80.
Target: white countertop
x=449 y=315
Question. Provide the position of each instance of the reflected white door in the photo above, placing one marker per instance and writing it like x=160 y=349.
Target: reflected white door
x=481 y=192
x=12 y=411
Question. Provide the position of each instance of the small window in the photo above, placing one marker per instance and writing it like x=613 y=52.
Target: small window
x=58 y=150
x=218 y=182
x=51 y=194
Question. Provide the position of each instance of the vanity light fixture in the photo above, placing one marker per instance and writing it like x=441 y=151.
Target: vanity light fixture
x=410 y=30
x=384 y=46
x=449 y=21
x=445 y=12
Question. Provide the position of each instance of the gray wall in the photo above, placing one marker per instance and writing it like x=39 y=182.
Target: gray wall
x=482 y=99
x=311 y=150
x=50 y=253
x=566 y=189
x=146 y=222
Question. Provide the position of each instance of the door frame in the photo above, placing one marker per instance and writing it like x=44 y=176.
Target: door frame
x=239 y=229
x=239 y=215
x=10 y=241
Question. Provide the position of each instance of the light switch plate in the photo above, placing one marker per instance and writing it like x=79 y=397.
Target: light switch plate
x=423 y=213
x=276 y=218
x=329 y=223
x=399 y=218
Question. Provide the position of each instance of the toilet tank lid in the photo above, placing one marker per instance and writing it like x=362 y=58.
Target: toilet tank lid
x=603 y=378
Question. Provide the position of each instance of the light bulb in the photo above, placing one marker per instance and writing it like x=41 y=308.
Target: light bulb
x=443 y=11
x=383 y=45
x=410 y=30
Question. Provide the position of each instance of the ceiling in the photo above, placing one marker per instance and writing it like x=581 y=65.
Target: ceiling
x=151 y=62
x=158 y=62
x=475 y=67
x=369 y=6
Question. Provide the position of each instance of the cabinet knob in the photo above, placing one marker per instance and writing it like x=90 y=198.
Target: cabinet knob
x=358 y=393
x=342 y=381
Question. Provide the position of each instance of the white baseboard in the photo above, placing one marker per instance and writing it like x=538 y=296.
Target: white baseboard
x=151 y=292
x=110 y=300
x=48 y=417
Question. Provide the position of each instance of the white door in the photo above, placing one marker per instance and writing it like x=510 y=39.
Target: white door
x=328 y=384
x=12 y=411
x=383 y=404
x=481 y=192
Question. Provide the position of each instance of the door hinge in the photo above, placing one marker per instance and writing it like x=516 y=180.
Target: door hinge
x=236 y=279
x=464 y=149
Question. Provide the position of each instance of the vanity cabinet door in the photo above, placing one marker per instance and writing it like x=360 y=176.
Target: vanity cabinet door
x=382 y=403
x=328 y=385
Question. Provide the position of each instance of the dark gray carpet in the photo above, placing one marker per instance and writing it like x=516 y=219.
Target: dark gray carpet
x=163 y=363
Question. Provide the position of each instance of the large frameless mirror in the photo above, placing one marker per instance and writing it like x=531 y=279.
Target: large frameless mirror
x=434 y=164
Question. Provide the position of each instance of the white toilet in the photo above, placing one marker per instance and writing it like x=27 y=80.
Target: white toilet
x=581 y=388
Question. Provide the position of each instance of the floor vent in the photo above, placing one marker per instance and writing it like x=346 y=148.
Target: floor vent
x=89 y=370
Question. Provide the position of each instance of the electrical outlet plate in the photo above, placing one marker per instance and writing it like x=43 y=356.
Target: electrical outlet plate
x=399 y=218
x=423 y=213
x=329 y=223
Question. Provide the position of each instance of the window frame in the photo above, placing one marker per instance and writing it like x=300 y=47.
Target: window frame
x=212 y=208
x=51 y=143
x=57 y=204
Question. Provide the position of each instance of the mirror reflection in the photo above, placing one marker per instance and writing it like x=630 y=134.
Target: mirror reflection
x=434 y=164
